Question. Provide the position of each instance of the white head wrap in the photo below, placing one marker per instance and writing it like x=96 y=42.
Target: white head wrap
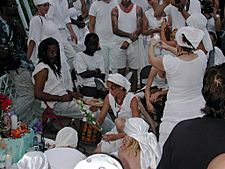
x=33 y=160
x=39 y=2
x=137 y=128
x=199 y=21
x=193 y=35
x=99 y=161
x=119 y=80
x=66 y=137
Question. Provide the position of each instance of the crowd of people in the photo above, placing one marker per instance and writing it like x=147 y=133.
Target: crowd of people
x=73 y=43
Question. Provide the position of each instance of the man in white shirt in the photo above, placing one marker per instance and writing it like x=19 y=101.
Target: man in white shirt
x=127 y=22
x=178 y=11
x=59 y=14
x=100 y=23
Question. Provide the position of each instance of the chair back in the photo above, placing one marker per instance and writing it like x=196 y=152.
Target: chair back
x=144 y=75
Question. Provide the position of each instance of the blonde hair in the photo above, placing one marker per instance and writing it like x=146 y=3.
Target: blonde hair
x=133 y=146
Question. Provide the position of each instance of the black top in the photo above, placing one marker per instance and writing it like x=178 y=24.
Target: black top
x=193 y=144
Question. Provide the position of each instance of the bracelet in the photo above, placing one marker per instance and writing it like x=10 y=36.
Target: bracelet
x=129 y=41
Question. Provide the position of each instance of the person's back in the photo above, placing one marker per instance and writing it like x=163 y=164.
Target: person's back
x=206 y=135
x=64 y=157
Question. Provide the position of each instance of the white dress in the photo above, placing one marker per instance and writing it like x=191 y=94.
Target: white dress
x=64 y=158
x=123 y=111
x=40 y=29
x=184 y=98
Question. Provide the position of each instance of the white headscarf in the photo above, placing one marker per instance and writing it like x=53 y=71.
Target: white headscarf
x=39 y=2
x=137 y=128
x=99 y=161
x=33 y=160
x=67 y=136
x=119 y=80
x=199 y=21
x=193 y=35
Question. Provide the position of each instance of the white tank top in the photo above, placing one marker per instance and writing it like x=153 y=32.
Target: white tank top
x=127 y=22
x=123 y=110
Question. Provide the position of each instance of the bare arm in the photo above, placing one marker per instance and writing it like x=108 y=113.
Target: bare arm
x=30 y=48
x=134 y=107
x=116 y=30
x=72 y=33
x=100 y=119
x=159 y=10
x=40 y=79
x=157 y=62
x=139 y=21
x=84 y=9
x=92 y=23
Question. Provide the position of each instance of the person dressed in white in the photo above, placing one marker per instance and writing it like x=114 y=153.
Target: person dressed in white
x=139 y=149
x=184 y=76
x=216 y=56
x=100 y=22
x=198 y=20
x=33 y=160
x=41 y=28
x=89 y=66
x=59 y=14
x=127 y=22
x=78 y=12
x=47 y=85
x=100 y=161
x=65 y=155
x=178 y=12
x=124 y=105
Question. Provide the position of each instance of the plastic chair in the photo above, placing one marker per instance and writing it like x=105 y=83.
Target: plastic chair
x=144 y=75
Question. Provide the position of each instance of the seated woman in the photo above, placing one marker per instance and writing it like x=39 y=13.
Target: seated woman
x=33 y=159
x=65 y=145
x=124 y=105
x=139 y=148
x=47 y=84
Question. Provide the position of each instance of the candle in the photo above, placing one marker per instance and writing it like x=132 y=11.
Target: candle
x=13 y=121
x=8 y=161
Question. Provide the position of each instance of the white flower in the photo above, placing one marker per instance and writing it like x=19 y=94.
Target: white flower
x=93 y=122
x=92 y=115
x=84 y=119
x=82 y=112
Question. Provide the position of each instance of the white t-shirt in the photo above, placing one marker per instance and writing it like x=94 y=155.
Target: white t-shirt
x=185 y=78
x=83 y=62
x=177 y=18
x=64 y=158
x=142 y=3
x=219 y=57
x=52 y=85
x=102 y=12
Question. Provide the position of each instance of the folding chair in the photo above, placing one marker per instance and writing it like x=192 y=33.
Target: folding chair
x=144 y=75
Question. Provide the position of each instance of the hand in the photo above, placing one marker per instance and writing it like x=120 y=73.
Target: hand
x=73 y=37
x=124 y=45
x=66 y=98
x=150 y=107
x=154 y=97
x=110 y=137
x=76 y=95
x=133 y=37
x=164 y=45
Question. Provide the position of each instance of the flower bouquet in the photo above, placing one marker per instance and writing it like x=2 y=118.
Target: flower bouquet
x=5 y=111
x=88 y=116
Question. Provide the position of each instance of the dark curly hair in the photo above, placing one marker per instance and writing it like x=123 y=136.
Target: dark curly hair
x=43 y=56
x=213 y=92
